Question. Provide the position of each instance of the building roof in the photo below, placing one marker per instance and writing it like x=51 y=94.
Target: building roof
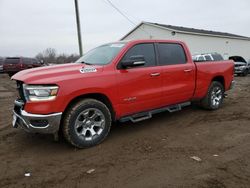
x=191 y=31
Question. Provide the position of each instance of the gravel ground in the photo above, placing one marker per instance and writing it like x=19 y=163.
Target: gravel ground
x=152 y=153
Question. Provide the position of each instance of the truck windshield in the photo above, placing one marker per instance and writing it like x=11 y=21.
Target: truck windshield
x=101 y=55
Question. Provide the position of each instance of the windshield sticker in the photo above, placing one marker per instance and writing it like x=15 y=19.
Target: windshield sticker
x=87 y=69
x=116 y=45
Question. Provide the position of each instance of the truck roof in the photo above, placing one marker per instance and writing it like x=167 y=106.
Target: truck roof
x=151 y=40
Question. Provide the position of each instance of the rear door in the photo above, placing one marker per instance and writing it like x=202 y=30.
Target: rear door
x=178 y=75
x=139 y=88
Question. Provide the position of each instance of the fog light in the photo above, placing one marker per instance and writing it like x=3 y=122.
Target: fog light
x=39 y=123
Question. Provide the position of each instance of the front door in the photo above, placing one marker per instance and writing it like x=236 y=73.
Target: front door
x=139 y=88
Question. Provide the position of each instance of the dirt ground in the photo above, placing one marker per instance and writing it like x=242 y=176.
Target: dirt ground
x=152 y=153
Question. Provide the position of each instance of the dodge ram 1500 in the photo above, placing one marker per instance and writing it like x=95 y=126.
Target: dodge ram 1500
x=126 y=80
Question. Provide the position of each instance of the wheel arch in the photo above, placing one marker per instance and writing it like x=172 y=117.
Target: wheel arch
x=219 y=79
x=97 y=96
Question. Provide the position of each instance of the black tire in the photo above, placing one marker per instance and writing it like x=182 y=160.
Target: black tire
x=245 y=73
x=213 y=101
x=11 y=74
x=80 y=113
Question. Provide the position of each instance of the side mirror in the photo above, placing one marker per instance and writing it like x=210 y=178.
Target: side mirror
x=134 y=61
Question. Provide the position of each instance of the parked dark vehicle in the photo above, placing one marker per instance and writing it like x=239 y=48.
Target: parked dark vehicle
x=1 y=64
x=207 y=57
x=241 y=66
x=12 y=65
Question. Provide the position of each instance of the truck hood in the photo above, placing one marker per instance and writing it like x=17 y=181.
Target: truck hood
x=57 y=73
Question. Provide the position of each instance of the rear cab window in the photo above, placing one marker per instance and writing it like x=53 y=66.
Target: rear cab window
x=171 y=54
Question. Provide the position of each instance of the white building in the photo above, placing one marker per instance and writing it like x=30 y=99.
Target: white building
x=199 y=41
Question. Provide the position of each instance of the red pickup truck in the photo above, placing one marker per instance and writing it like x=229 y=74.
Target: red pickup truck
x=126 y=80
x=12 y=65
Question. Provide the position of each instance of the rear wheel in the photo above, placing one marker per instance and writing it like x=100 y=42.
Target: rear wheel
x=87 y=123
x=214 y=97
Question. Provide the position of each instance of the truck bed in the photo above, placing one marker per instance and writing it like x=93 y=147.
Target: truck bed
x=207 y=71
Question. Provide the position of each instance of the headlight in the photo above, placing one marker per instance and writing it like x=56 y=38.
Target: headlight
x=242 y=67
x=40 y=92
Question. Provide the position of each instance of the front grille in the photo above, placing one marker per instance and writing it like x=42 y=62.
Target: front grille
x=239 y=65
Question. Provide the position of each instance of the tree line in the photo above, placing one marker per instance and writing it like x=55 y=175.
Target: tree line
x=50 y=56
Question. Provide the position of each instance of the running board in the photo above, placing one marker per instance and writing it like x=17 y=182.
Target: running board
x=147 y=115
x=140 y=117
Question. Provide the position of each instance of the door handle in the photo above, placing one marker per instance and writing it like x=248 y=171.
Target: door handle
x=155 y=74
x=188 y=70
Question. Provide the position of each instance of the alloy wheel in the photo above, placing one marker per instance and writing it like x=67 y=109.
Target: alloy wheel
x=90 y=124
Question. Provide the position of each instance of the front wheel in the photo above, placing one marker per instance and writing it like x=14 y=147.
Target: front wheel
x=214 y=98
x=245 y=73
x=87 y=123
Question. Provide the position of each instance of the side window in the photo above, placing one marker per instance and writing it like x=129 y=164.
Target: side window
x=218 y=57
x=27 y=61
x=208 y=58
x=171 y=54
x=34 y=61
x=201 y=58
x=146 y=50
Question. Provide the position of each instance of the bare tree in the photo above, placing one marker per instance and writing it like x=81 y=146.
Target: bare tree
x=49 y=56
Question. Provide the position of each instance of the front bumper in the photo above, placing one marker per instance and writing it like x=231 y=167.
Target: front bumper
x=35 y=123
x=239 y=71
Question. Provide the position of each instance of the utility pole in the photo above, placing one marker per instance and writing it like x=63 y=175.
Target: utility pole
x=78 y=27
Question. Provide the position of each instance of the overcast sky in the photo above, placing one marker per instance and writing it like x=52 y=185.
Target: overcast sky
x=30 y=26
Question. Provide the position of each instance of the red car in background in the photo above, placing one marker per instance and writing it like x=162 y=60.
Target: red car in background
x=12 y=65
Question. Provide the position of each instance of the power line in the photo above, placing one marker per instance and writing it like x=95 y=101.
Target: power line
x=119 y=11
x=127 y=18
